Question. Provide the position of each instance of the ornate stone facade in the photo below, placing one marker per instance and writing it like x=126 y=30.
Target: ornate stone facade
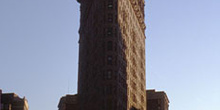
x=112 y=55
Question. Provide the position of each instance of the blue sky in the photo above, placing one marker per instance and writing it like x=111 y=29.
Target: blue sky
x=39 y=51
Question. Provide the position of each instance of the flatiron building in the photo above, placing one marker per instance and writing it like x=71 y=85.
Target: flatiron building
x=111 y=72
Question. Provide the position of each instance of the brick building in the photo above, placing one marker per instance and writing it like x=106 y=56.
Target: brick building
x=111 y=72
x=157 y=100
x=11 y=101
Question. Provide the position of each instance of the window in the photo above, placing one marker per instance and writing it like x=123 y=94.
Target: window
x=115 y=46
x=109 y=32
x=116 y=18
x=134 y=98
x=142 y=98
x=159 y=107
x=7 y=106
x=108 y=89
x=116 y=32
x=109 y=60
x=108 y=74
x=109 y=46
x=110 y=18
x=110 y=4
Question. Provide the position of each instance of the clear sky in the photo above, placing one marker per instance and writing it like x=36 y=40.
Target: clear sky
x=39 y=51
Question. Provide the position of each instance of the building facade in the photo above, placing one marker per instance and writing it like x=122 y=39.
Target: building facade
x=11 y=101
x=68 y=102
x=157 y=100
x=111 y=72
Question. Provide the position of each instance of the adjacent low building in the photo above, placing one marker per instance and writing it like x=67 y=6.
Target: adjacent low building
x=68 y=102
x=157 y=100
x=0 y=99
x=11 y=101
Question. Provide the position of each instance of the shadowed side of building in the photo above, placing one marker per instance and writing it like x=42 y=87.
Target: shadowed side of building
x=111 y=71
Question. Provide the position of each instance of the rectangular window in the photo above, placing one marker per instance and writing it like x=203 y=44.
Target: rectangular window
x=116 y=18
x=107 y=89
x=109 y=32
x=110 y=17
x=110 y=46
x=110 y=4
x=109 y=60
x=108 y=74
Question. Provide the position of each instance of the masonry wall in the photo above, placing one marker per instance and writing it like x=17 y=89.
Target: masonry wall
x=111 y=72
